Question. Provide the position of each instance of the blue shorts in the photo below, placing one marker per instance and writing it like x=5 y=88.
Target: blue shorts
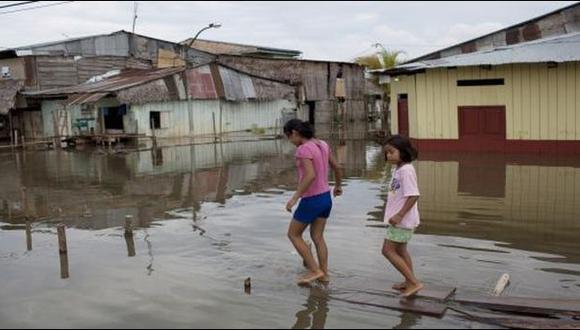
x=312 y=208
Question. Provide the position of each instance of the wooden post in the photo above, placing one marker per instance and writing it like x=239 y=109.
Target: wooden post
x=61 y=231
x=63 y=251
x=11 y=129
x=221 y=120
x=23 y=201
x=153 y=134
x=248 y=286
x=214 y=127
x=55 y=128
x=129 y=225
x=129 y=236
x=23 y=141
x=130 y=245
x=64 y=272
x=28 y=235
x=16 y=138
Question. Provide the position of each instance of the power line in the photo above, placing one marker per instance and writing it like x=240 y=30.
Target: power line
x=36 y=7
x=16 y=4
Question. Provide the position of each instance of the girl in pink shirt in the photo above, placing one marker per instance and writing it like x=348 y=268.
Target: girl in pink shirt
x=402 y=213
x=313 y=158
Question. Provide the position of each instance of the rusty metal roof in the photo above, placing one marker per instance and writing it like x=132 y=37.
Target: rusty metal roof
x=124 y=80
x=156 y=85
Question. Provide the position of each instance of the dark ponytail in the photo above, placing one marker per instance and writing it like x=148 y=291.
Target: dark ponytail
x=302 y=127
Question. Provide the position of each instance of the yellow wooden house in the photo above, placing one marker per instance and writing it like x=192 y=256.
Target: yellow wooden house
x=523 y=97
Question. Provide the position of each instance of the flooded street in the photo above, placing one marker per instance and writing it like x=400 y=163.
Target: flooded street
x=210 y=216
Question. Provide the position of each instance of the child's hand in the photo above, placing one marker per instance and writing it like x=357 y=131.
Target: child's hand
x=337 y=191
x=396 y=219
x=291 y=203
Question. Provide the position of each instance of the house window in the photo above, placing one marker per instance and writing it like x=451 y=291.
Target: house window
x=158 y=119
x=155 y=119
x=480 y=82
x=5 y=72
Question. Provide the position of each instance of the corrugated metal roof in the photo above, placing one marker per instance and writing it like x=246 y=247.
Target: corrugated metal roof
x=230 y=48
x=124 y=80
x=565 y=48
x=201 y=83
x=8 y=90
x=237 y=86
x=158 y=85
x=84 y=98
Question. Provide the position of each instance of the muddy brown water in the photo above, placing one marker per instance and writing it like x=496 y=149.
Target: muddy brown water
x=209 y=216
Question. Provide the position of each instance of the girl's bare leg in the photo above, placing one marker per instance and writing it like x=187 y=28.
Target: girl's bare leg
x=317 y=235
x=402 y=251
x=390 y=252
x=295 y=232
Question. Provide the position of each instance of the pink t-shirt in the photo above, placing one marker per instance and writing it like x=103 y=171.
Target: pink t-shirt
x=319 y=152
x=403 y=185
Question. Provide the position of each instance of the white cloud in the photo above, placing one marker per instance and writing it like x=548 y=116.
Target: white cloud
x=323 y=30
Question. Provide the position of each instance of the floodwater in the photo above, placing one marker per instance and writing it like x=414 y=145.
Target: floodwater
x=210 y=216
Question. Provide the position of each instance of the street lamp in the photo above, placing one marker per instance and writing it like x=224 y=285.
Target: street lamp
x=210 y=26
x=188 y=66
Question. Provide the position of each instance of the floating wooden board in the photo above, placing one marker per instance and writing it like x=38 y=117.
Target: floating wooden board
x=406 y=305
x=429 y=292
x=522 y=305
x=523 y=322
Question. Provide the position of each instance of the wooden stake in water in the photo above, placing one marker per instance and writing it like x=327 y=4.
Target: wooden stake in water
x=61 y=231
x=129 y=225
x=64 y=271
x=63 y=251
x=129 y=236
x=28 y=235
x=248 y=286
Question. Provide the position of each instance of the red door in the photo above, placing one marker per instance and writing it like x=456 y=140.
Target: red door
x=482 y=128
x=403 y=115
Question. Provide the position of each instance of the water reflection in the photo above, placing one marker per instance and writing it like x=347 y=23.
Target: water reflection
x=200 y=213
x=530 y=203
x=408 y=321
x=315 y=311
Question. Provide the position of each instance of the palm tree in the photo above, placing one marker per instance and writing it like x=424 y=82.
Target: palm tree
x=382 y=59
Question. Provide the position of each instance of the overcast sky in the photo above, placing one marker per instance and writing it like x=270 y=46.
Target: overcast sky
x=322 y=30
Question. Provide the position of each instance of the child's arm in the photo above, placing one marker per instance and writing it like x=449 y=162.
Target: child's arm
x=309 y=177
x=337 y=176
x=409 y=203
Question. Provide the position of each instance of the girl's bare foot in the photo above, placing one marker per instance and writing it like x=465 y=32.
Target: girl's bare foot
x=311 y=277
x=325 y=279
x=412 y=289
x=401 y=286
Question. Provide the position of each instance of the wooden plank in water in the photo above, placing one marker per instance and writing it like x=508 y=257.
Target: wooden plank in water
x=534 y=323
x=432 y=292
x=429 y=292
x=405 y=305
x=525 y=322
x=537 y=306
